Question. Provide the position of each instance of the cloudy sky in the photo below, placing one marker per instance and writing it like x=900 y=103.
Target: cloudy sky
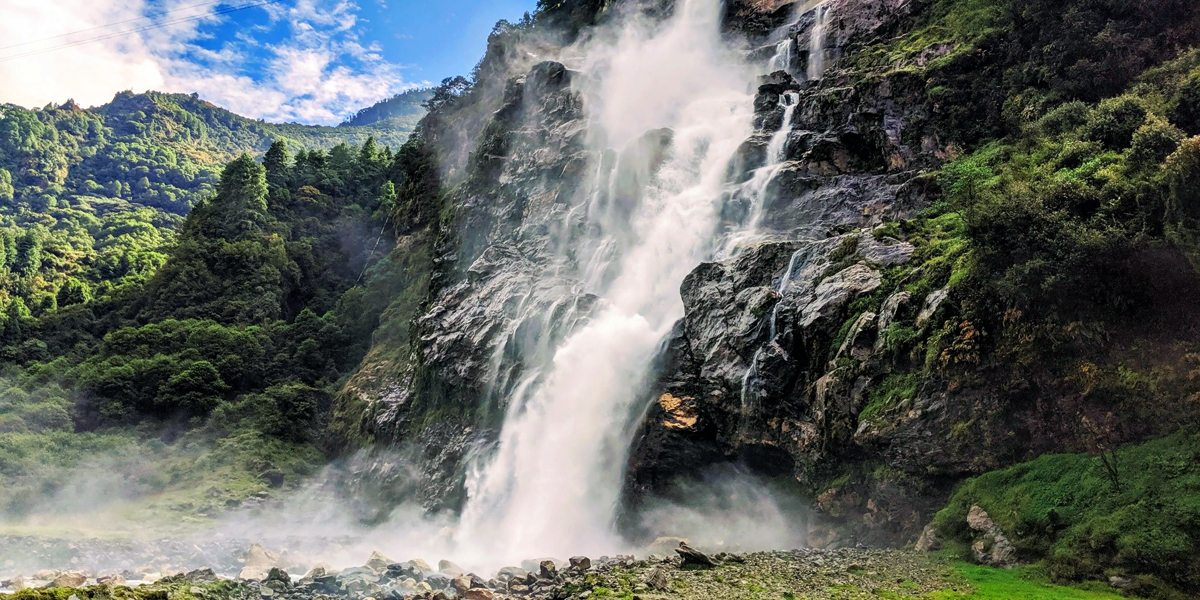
x=311 y=61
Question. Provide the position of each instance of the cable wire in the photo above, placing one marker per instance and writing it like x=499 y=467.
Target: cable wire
x=148 y=16
x=141 y=29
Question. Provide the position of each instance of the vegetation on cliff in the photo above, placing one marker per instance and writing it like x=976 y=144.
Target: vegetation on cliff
x=1063 y=230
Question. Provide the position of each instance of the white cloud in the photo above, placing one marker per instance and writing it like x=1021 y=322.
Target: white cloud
x=318 y=72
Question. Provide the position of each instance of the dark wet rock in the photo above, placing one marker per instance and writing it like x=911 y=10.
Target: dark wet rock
x=439 y=581
x=777 y=83
x=279 y=575
x=547 y=569
x=580 y=563
x=692 y=556
x=328 y=584
x=405 y=570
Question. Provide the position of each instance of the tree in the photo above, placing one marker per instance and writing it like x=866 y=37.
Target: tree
x=6 y=186
x=196 y=390
x=1182 y=171
x=241 y=203
x=74 y=291
x=29 y=254
x=277 y=162
x=451 y=89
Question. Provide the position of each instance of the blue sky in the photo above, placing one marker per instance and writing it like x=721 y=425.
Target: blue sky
x=311 y=61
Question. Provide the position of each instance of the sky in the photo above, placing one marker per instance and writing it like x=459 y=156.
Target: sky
x=307 y=61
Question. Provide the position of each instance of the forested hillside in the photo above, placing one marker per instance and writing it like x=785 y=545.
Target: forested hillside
x=257 y=310
x=402 y=111
x=89 y=199
x=132 y=231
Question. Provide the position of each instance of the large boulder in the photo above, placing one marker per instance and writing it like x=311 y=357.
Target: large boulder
x=991 y=546
x=258 y=563
x=835 y=291
x=70 y=579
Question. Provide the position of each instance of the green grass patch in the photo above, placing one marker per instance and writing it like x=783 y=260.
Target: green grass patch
x=1013 y=584
x=891 y=392
x=1086 y=523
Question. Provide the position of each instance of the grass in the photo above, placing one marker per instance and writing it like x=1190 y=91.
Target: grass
x=66 y=484
x=1014 y=584
x=891 y=392
x=1067 y=509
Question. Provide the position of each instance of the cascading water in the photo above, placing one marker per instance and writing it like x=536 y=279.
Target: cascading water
x=782 y=59
x=816 y=43
x=553 y=482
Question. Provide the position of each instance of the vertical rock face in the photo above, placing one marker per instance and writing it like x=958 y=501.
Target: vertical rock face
x=780 y=340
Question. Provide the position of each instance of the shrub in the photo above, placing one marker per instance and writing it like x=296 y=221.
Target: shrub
x=1153 y=142
x=1066 y=118
x=1064 y=508
x=1114 y=122
x=1186 y=104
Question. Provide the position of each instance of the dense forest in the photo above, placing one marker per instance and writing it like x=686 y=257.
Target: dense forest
x=134 y=230
x=90 y=199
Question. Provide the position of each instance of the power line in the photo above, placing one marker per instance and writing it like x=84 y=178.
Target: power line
x=147 y=16
x=214 y=13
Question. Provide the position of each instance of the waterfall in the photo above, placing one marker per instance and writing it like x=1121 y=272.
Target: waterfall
x=552 y=485
x=816 y=43
x=782 y=59
x=755 y=189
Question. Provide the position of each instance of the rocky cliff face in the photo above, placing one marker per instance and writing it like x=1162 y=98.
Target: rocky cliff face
x=794 y=354
x=745 y=375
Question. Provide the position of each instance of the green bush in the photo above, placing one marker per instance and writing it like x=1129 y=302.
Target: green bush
x=1186 y=109
x=1153 y=142
x=1114 y=122
x=1068 y=510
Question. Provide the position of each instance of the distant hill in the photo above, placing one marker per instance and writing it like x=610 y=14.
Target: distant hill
x=402 y=110
x=98 y=193
x=158 y=150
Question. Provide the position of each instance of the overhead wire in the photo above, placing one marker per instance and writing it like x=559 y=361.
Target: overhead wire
x=143 y=17
x=207 y=15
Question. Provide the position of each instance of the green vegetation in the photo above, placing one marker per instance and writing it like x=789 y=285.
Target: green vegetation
x=1065 y=232
x=216 y=368
x=90 y=199
x=1086 y=524
x=402 y=111
x=1009 y=584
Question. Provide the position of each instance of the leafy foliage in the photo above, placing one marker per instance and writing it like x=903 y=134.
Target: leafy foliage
x=1064 y=508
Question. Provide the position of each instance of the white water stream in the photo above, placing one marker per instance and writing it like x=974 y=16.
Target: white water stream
x=553 y=483
x=816 y=44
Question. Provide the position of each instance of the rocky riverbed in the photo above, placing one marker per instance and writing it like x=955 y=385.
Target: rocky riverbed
x=844 y=573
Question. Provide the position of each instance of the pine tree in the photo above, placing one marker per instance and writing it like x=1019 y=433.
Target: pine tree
x=241 y=203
